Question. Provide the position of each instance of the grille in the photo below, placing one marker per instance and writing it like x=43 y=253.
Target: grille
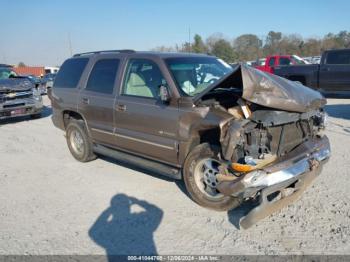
x=13 y=95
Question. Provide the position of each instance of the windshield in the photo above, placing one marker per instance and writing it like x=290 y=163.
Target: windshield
x=194 y=74
x=298 y=60
x=6 y=73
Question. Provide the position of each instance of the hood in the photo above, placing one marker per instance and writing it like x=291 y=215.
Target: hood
x=269 y=90
x=15 y=84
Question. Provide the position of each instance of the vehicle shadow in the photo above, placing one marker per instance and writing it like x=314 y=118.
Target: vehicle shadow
x=338 y=111
x=46 y=112
x=235 y=215
x=178 y=182
x=136 y=168
x=123 y=232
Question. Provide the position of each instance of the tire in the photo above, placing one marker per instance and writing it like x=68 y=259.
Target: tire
x=192 y=164
x=78 y=141
x=35 y=116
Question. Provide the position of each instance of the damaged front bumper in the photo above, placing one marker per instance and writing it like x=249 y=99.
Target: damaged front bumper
x=282 y=182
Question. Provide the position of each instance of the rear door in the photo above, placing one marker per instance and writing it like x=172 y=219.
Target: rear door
x=65 y=90
x=334 y=73
x=97 y=98
x=145 y=125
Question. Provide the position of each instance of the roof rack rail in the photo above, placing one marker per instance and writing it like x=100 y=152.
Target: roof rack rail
x=105 y=51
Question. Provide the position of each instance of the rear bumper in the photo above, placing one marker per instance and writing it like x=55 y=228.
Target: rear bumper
x=288 y=178
x=20 y=107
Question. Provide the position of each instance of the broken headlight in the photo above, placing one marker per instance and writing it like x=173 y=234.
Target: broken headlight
x=321 y=119
x=36 y=94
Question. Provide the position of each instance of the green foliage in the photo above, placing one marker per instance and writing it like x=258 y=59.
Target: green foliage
x=249 y=47
x=198 y=45
x=223 y=49
x=21 y=64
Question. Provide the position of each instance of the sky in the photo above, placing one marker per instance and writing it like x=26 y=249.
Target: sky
x=37 y=32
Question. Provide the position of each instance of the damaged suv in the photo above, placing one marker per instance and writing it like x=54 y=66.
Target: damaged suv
x=231 y=134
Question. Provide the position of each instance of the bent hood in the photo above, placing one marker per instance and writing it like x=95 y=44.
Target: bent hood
x=269 y=90
x=15 y=84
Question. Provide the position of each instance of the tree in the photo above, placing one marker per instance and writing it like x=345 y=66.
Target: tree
x=211 y=40
x=21 y=64
x=291 y=44
x=272 y=43
x=224 y=50
x=164 y=49
x=247 y=47
x=198 y=45
x=312 y=47
x=186 y=47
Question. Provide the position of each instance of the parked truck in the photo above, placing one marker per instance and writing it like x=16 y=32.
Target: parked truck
x=18 y=96
x=275 y=61
x=331 y=76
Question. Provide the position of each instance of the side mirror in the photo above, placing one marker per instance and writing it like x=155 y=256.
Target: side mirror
x=164 y=94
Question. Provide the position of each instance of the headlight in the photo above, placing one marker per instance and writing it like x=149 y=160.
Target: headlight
x=36 y=94
x=321 y=119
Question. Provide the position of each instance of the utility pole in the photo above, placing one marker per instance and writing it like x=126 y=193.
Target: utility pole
x=189 y=39
x=70 y=45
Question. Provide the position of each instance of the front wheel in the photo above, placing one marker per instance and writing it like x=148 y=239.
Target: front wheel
x=35 y=116
x=200 y=170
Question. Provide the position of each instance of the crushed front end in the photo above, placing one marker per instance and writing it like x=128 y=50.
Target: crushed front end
x=273 y=144
x=272 y=155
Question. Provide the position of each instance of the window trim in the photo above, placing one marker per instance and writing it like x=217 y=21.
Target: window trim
x=124 y=75
x=334 y=51
x=81 y=77
x=91 y=67
x=285 y=59
x=274 y=61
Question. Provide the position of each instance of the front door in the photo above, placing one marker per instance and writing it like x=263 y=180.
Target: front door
x=145 y=125
x=335 y=72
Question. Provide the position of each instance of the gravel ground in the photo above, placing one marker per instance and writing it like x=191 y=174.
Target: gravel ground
x=52 y=204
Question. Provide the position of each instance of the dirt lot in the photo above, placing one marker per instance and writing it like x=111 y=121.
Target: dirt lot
x=52 y=204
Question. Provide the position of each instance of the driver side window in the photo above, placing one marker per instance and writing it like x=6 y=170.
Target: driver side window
x=143 y=78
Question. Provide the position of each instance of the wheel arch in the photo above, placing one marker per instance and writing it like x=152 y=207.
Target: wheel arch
x=201 y=136
x=68 y=115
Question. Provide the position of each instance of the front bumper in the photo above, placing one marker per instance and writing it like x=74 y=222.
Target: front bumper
x=21 y=107
x=289 y=177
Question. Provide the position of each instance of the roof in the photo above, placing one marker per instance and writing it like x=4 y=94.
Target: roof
x=147 y=53
x=30 y=70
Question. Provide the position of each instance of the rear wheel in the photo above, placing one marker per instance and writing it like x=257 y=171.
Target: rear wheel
x=78 y=141
x=200 y=170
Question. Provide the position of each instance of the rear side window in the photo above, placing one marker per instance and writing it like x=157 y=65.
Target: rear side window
x=338 y=58
x=272 y=61
x=284 y=61
x=70 y=73
x=102 y=76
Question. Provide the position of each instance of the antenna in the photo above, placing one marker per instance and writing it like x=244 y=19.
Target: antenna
x=70 y=45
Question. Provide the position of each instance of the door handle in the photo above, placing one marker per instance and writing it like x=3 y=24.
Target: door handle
x=326 y=69
x=121 y=108
x=85 y=100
